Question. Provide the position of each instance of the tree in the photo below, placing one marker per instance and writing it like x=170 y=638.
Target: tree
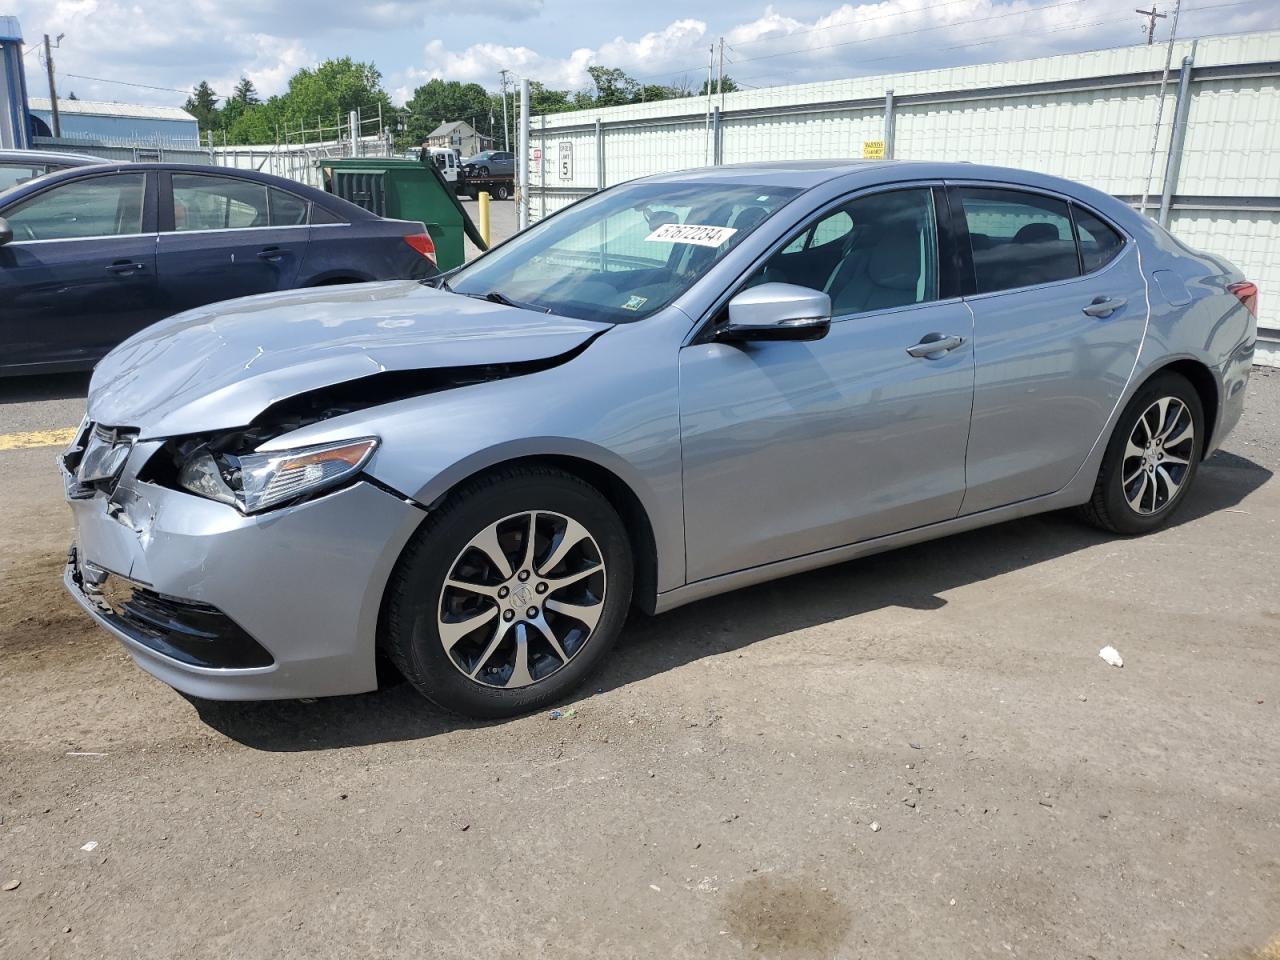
x=613 y=86
x=246 y=93
x=203 y=105
x=326 y=94
x=728 y=87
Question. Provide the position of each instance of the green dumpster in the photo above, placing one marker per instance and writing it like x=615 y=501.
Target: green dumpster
x=406 y=190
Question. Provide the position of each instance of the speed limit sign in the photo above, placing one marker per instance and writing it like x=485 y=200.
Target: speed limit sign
x=566 y=160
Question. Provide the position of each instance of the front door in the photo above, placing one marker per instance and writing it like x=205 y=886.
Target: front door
x=224 y=236
x=792 y=448
x=1059 y=313
x=79 y=275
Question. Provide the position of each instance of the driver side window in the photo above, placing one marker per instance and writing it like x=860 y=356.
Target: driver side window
x=97 y=207
x=873 y=253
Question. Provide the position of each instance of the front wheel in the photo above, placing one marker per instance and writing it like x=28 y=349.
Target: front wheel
x=502 y=192
x=1151 y=460
x=509 y=594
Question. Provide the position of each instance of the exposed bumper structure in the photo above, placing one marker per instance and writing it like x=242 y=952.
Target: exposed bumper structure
x=228 y=607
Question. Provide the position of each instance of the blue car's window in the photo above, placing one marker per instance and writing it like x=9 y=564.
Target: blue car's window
x=873 y=253
x=624 y=254
x=97 y=207
x=1018 y=238
x=1099 y=242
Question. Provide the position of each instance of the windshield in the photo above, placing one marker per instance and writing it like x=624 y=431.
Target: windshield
x=623 y=254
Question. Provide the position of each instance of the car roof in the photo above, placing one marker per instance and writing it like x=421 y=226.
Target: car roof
x=807 y=174
x=51 y=156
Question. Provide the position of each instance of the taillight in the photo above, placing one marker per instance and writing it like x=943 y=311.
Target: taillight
x=1246 y=293
x=422 y=243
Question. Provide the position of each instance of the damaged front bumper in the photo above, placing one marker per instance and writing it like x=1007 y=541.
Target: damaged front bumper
x=231 y=607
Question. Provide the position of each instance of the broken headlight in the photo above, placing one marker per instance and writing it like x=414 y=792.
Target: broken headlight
x=253 y=482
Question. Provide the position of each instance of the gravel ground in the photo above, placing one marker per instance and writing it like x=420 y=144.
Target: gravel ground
x=918 y=754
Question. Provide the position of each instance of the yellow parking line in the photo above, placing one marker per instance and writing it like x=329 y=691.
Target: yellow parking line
x=40 y=438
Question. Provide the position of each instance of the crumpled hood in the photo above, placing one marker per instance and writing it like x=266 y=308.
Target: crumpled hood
x=219 y=366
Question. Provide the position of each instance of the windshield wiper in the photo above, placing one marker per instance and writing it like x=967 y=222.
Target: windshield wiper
x=494 y=296
x=440 y=281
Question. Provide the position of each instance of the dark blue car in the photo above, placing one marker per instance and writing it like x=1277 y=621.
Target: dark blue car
x=89 y=256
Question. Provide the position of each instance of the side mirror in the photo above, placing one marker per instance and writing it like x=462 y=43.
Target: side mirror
x=6 y=231
x=777 y=311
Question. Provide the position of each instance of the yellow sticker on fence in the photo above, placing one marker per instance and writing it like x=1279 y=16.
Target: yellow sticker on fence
x=872 y=149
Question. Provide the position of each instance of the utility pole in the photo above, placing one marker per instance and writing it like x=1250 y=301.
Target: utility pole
x=1152 y=16
x=506 y=134
x=53 y=89
x=720 y=76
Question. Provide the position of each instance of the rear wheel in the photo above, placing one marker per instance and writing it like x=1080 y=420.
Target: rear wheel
x=502 y=192
x=1151 y=460
x=510 y=593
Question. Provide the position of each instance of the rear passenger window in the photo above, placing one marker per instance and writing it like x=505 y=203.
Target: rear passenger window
x=1099 y=243
x=1018 y=239
x=217 y=203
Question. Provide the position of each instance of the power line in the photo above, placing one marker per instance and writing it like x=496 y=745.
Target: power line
x=909 y=33
x=126 y=83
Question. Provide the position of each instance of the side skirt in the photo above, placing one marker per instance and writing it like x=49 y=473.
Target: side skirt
x=1068 y=497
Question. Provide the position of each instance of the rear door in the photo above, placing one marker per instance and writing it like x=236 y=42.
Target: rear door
x=1059 y=308
x=223 y=236
x=79 y=275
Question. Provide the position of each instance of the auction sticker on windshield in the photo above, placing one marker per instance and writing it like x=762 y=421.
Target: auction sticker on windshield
x=692 y=233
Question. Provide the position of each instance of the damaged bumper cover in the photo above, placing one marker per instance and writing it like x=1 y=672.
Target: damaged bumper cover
x=232 y=607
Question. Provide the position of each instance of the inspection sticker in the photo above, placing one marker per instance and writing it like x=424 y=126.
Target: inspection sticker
x=692 y=233
x=635 y=303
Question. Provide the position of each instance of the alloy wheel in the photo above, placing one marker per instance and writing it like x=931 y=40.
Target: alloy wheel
x=1157 y=456
x=522 y=599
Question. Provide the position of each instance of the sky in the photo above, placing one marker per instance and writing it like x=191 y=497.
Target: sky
x=163 y=49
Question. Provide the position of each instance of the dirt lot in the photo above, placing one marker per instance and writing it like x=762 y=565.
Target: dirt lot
x=916 y=755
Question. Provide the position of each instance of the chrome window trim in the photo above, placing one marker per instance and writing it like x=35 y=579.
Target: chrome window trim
x=292 y=226
x=103 y=236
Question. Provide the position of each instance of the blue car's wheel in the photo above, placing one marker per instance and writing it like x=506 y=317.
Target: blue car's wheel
x=1152 y=458
x=510 y=593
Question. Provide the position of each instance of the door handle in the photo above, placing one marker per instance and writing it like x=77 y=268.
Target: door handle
x=934 y=345
x=1104 y=306
x=271 y=254
x=125 y=268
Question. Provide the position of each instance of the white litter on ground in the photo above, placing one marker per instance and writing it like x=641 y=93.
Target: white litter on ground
x=91 y=846
x=1112 y=656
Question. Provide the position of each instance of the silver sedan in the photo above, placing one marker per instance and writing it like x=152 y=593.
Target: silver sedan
x=676 y=387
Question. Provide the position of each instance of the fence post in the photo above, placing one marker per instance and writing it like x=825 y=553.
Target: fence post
x=1181 y=109
x=716 y=155
x=599 y=155
x=888 y=124
x=522 y=159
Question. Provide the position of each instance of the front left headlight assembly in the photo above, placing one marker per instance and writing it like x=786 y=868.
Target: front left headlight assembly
x=253 y=482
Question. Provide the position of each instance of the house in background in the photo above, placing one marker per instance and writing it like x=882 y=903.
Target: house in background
x=461 y=136
x=112 y=123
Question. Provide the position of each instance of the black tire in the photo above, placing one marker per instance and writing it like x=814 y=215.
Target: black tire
x=1109 y=507
x=410 y=634
x=484 y=171
x=502 y=193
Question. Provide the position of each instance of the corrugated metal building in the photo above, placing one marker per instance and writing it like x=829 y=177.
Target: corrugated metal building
x=111 y=123
x=1088 y=116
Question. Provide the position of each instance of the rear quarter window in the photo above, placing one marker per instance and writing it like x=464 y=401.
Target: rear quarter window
x=1099 y=241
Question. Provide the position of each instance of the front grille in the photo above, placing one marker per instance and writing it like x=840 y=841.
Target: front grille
x=193 y=633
